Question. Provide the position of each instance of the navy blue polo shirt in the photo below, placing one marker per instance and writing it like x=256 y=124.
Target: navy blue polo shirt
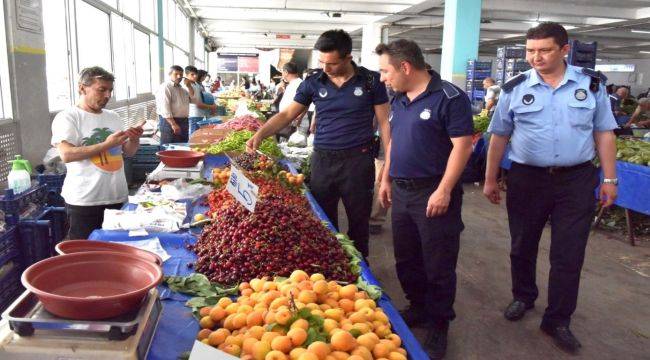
x=421 y=129
x=344 y=114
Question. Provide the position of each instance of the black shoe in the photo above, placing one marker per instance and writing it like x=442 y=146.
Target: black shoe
x=516 y=310
x=435 y=344
x=563 y=338
x=374 y=229
x=415 y=315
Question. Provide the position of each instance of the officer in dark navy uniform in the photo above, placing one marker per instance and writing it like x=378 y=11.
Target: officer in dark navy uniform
x=431 y=129
x=347 y=99
x=556 y=117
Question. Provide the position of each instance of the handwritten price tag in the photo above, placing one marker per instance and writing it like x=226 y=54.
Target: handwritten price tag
x=242 y=189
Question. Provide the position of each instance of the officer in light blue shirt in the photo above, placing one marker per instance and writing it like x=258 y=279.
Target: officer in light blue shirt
x=557 y=117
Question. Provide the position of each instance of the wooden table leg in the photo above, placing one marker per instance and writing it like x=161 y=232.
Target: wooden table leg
x=630 y=228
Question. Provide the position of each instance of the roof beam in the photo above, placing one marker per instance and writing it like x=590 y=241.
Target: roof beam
x=561 y=8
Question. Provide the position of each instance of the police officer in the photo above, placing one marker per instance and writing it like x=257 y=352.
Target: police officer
x=347 y=98
x=431 y=129
x=556 y=117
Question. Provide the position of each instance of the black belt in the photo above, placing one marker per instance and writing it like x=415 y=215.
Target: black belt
x=556 y=169
x=416 y=183
x=362 y=149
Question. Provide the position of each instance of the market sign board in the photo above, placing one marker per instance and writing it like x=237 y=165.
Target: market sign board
x=242 y=62
x=226 y=63
x=248 y=64
x=615 y=67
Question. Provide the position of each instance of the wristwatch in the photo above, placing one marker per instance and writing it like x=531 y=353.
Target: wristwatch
x=610 y=181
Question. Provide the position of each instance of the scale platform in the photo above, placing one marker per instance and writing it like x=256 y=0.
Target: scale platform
x=163 y=172
x=28 y=331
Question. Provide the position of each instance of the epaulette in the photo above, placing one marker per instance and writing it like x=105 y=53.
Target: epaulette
x=510 y=84
x=449 y=89
x=597 y=78
x=313 y=72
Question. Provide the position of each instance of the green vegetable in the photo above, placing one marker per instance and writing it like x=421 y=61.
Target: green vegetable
x=373 y=291
x=481 y=123
x=236 y=141
x=206 y=293
x=633 y=151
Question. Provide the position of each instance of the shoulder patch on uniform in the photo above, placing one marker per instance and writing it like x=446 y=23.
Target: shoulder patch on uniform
x=594 y=74
x=450 y=90
x=510 y=84
x=315 y=72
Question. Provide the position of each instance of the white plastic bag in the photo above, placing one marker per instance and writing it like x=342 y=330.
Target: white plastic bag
x=297 y=139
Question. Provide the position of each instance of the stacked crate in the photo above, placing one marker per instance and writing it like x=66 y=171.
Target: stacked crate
x=477 y=71
x=142 y=163
x=583 y=54
x=511 y=61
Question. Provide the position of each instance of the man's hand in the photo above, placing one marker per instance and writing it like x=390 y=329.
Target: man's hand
x=175 y=128
x=438 y=203
x=492 y=192
x=253 y=143
x=134 y=133
x=187 y=82
x=115 y=139
x=607 y=194
x=385 y=194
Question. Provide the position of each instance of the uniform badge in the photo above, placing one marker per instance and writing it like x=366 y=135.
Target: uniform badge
x=425 y=114
x=528 y=99
x=581 y=94
x=390 y=117
x=322 y=92
x=358 y=91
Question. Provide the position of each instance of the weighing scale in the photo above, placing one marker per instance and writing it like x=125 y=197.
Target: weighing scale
x=163 y=172
x=28 y=331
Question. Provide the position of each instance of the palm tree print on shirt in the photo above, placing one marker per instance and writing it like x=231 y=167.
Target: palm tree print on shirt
x=110 y=160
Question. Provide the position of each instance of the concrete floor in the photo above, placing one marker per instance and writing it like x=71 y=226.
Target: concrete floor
x=613 y=316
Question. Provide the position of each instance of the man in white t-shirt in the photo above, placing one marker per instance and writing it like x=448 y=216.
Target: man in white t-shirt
x=91 y=142
x=492 y=91
x=197 y=109
x=291 y=76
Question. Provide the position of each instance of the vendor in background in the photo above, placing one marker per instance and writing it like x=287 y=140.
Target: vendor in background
x=617 y=99
x=91 y=142
x=641 y=116
x=197 y=109
x=347 y=98
x=173 y=105
x=492 y=91
x=291 y=76
x=431 y=141
x=216 y=85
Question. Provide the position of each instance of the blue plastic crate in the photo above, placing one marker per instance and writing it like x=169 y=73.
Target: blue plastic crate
x=10 y=285
x=9 y=244
x=39 y=235
x=209 y=121
x=479 y=65
x=53 y=182
x=12 y=205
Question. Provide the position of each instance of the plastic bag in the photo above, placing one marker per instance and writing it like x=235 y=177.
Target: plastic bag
x=297 y=139
x=53 y=163
x=310 y=140
x=181 y=189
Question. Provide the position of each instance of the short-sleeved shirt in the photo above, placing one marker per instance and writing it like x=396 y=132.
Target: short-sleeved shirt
x=99 y=180
x=553 y=127
x=172 y=100
x=289 y=93
x=421 y=130
x=345 y=114
x=195 y=111
x=492 y=93
x=615 y=102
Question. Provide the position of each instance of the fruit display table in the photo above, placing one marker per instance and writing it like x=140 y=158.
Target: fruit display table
x=633 y=194
x=177 y=329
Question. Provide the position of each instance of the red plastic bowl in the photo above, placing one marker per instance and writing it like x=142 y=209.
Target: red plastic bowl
x=91 y=285
x=76 y=246
x=180 y=158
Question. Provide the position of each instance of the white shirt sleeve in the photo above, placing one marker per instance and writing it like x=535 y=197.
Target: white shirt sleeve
x=64 y=128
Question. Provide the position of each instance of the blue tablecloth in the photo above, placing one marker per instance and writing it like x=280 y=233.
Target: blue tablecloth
x=178 y=328
x=633 y=187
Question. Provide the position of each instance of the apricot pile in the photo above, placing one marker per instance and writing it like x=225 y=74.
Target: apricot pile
x=268 y=322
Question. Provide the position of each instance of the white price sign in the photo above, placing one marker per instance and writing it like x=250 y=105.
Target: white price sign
x=242 y=189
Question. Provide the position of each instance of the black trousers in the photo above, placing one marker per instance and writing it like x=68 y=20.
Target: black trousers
x=568 y=198
x=426 y=249
x=84 y=219
x=167 y=135
x=347 y=175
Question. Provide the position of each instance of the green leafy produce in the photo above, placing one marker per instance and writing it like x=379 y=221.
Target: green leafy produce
x=628 y=106
x=236 y=141
x=633 y=151
x=481 y=123
x=205 y=292
x=373 y=291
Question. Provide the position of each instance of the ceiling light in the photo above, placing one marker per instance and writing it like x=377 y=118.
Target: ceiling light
x=640 y=31
x=644 y=52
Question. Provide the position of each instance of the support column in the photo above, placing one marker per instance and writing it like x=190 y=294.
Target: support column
x=370 y=38
x=28 y=81
x=460 y=38
x=161 y=41
x=191 y=34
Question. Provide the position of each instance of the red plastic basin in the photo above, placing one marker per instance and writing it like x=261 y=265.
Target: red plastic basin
x=76 y=246
x=180 y=158
x=91 y=285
